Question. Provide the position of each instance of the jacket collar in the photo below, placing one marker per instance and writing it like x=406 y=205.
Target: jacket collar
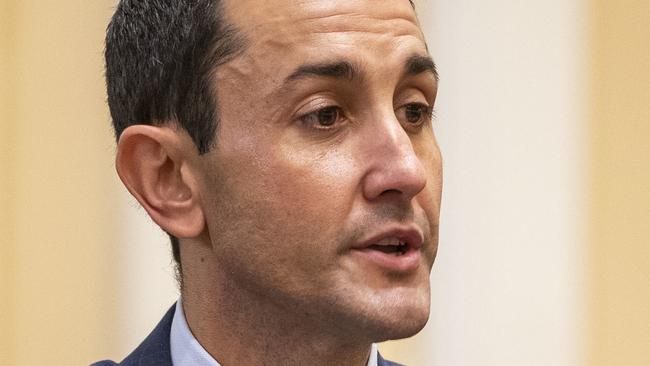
x=155 y=350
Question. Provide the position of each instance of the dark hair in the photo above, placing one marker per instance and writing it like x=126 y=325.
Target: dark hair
x=161 y=56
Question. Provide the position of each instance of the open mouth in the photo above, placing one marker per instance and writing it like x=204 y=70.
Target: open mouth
x=391 y=245
x=397 y=250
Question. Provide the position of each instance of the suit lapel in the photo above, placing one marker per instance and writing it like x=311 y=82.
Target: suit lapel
x=382 y=362
x=154 y=350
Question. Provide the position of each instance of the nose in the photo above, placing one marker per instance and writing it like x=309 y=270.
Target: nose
x=393 y=167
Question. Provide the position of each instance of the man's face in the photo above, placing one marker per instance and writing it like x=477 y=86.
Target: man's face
x=322 y=194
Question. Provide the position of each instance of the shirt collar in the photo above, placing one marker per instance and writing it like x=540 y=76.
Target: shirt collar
x=187 y=351
x=372 y=360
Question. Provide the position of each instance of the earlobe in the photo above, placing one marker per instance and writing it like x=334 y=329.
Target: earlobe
x=153 y=163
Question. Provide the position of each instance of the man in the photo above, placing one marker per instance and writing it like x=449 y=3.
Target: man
x=287 y=148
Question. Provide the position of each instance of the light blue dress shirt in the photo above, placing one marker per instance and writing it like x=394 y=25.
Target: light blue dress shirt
x=187 y=351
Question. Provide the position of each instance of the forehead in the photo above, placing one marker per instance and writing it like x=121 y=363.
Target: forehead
x=287 y=23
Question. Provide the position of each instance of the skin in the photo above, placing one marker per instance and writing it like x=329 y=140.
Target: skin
x=268 y=218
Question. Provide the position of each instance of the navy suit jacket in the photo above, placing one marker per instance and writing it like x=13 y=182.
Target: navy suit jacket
x=155 y=350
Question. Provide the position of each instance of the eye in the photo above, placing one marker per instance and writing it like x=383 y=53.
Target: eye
x=414 y=114
x=323 y=118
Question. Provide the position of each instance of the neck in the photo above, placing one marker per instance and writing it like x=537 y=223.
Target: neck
x=237 y=328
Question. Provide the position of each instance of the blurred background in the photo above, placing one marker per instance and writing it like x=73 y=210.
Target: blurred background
x=544 y=122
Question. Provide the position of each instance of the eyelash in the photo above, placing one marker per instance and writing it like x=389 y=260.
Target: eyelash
x=428 y=114
x=315 y=115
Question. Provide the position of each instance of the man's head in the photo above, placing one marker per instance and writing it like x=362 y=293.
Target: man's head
x=161 y=56
x=318 y=191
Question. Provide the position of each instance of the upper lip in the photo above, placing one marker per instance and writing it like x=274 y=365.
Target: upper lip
x=411 y=235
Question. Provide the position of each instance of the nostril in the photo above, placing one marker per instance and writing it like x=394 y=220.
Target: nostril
x=389 y=192
x=401 y=184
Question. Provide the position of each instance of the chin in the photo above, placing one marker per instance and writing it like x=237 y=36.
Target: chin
x=404 y=325
x=397 y=316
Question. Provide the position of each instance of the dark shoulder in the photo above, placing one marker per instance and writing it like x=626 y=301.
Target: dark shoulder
x=382 y=362
x=154 y=350
x=389 y=363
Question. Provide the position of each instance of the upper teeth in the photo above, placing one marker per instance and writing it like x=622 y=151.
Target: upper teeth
x=390 y=241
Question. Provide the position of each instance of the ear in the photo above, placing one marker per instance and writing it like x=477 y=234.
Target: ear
x=154 y=163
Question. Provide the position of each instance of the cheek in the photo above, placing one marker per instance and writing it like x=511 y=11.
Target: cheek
x=273 y=205
x=434 y=177
x=313 y=190
x=431 y=158
x=430 y=198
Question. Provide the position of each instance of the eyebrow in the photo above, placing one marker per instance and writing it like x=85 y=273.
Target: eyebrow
x=338 y=70
x=415 y=65
x=418 y=64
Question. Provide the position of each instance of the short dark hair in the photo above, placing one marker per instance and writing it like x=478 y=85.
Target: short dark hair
x=161 y=56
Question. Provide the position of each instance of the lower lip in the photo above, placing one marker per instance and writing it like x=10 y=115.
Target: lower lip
x=406 y=262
